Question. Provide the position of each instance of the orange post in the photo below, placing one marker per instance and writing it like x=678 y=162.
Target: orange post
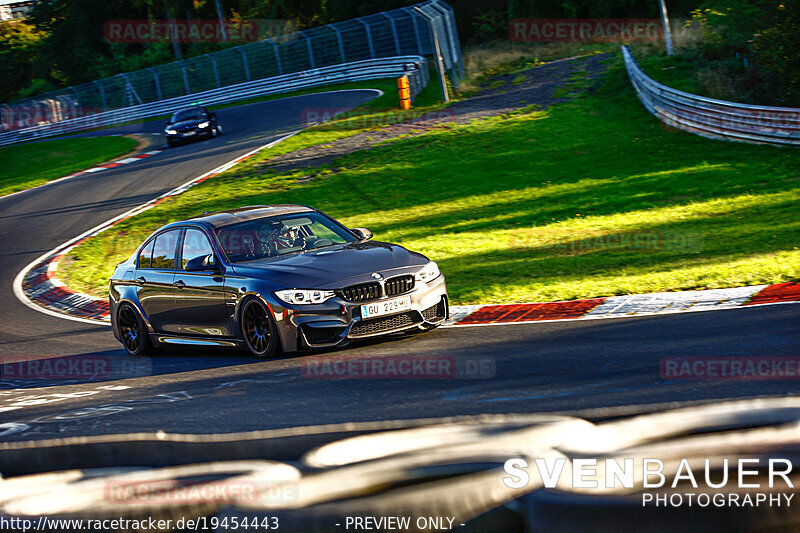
x=404 y=92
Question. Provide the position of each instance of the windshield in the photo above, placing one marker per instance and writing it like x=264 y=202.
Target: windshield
x=280 y=235
x=188 y=114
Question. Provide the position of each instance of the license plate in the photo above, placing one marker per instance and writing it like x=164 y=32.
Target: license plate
x=187 y=134
x=387 y=307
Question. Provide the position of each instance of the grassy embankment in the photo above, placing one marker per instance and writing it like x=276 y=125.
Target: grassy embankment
x=592 y=197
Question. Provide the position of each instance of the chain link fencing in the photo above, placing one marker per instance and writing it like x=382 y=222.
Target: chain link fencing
x=414 y=30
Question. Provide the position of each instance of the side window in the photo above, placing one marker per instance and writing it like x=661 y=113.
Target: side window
x=164 y=249
x=195 y=244
x=145 y=254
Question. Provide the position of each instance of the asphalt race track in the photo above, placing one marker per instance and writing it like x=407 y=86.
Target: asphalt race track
x=535 y=367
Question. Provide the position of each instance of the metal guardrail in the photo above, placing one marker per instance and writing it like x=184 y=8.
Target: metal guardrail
x=415 y=67
x=712 y=118
x=425 y=29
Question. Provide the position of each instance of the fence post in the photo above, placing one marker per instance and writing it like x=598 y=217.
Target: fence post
x=394 y=33
x=416 y=30
x=369 y=38
x=310 y=49
x=341 y=43
x=77 y=100
x=102 y=94
x=185 y=78
x=443 y=20
x=277 y=57
x=455 y=44
x=244 y=62
x=665 y=23
x=157 y=82
x=214 y=66
x=437 y=52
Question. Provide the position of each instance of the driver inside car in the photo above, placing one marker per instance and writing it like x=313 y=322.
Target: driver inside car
x=278 y=237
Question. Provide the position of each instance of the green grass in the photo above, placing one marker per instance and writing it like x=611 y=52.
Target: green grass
x=532 y=206
x=31 y=164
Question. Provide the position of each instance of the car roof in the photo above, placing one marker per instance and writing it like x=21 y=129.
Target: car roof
x=243 y=214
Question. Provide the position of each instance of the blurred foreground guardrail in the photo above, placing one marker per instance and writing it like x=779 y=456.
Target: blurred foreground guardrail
x=316 y=478
x=716 y=119
x=415 y=67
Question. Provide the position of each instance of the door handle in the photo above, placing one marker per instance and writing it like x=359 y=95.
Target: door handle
x=180 y=284
x=141 y=279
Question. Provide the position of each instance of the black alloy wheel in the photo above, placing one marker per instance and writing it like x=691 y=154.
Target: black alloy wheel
x=258 y=329
x=132 y=331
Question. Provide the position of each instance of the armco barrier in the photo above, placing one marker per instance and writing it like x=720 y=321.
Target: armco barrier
x=415 y=67
x=717 y=119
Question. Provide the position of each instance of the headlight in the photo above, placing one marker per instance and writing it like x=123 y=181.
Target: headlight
x=304 y=296
x=204 y=124
x=170 y=132
x=429 y=273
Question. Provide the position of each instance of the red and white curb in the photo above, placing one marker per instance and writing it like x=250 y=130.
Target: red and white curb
x=46 y=290
x=626 y=306
x=113 y=164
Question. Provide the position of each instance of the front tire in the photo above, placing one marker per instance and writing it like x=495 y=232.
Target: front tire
x=133 y=332
x=258 y=329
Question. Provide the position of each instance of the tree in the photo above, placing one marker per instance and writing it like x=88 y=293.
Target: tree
x=19 y=44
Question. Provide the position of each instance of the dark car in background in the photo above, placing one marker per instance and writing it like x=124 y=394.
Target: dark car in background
x=191 y=123
x=270 y=278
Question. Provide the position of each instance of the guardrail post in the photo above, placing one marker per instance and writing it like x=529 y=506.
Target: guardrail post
x=244 y=62
x=369 y=38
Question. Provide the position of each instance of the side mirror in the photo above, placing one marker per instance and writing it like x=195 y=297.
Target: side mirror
x=202 y=262
x=363 y=234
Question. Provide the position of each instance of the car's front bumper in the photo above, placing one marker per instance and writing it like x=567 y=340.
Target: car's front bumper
x=336 y=322
x=188 y=135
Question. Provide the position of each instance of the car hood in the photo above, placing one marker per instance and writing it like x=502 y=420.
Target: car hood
x=186 y=123
x=332 y=266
